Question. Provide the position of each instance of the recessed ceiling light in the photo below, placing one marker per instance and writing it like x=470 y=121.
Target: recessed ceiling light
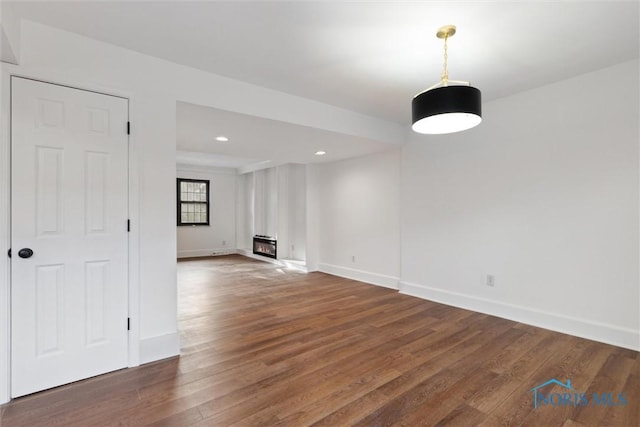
x=222 y=138
x=320 y=153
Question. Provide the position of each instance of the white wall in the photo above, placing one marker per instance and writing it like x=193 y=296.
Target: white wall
x=297 y=218
x=9 y=35
x=313 y=214
x=244 y=212
x=153 y=127
x=544 y=196
x=358 y=216
x=265 y=206
x=153 y=87
x=291 y=212
x=220 y=235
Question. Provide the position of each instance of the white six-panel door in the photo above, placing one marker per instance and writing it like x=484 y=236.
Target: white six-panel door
x=69 y=191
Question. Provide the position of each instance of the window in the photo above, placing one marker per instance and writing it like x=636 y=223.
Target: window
x=193 y=201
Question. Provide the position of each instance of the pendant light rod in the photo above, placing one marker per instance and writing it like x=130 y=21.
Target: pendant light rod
x=444 y=33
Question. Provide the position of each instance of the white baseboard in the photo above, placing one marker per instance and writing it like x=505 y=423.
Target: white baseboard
x=205 y=252
x=160 y=347
x=606 y=333
x=360 y=275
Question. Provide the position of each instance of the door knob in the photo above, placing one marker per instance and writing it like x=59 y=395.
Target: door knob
x=25 y=253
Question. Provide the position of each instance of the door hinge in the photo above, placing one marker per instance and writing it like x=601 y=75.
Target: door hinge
x=128 y=128
x=9 y=252
x=128 y=225
x=128 y=323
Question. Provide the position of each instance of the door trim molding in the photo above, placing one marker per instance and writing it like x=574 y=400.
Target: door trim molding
x=6 y=73
x=5 y=238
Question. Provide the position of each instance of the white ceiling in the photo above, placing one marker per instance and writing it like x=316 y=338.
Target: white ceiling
x=370 y=57
x=255 y=140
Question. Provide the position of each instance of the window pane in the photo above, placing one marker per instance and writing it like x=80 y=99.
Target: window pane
x=193 y=201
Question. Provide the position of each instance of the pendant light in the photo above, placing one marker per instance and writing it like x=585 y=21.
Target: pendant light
x=443 y=108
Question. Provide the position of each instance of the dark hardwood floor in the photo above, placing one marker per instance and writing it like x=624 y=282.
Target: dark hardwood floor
x=264 y=346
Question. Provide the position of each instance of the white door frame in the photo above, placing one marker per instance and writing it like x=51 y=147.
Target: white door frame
x=6 y=73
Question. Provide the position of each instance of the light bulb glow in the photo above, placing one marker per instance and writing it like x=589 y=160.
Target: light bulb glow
x=446 y=123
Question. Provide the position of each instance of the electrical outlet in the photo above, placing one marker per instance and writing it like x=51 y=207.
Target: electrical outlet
x=293 y=248
x=224 y=243
x=491 y=280
x=353 y=258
